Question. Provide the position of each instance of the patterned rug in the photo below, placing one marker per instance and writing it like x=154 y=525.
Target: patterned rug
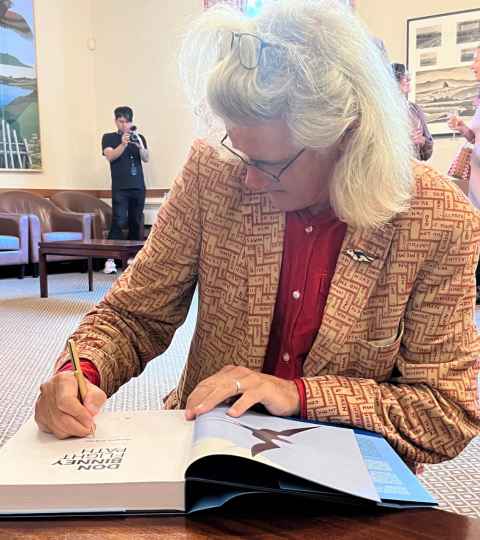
x=34 y=330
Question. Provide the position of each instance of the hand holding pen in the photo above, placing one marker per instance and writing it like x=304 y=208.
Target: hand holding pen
x=68 y=402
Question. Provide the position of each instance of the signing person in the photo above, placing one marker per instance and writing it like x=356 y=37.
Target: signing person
x=335 y=273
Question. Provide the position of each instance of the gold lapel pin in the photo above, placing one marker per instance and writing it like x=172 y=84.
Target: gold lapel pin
x=359 y=255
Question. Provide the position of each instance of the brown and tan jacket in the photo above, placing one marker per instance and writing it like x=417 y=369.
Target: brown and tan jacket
x=397 y=351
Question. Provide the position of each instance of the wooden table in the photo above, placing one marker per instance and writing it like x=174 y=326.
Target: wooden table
x=102 y=249
x=324 y=522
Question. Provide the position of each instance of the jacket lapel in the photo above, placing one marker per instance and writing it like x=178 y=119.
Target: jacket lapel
x=360 y=261
x=264 y=229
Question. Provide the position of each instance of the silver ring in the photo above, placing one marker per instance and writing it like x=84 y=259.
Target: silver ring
x=238 y=388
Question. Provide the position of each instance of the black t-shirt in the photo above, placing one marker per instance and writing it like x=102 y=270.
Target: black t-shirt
x=127 y=171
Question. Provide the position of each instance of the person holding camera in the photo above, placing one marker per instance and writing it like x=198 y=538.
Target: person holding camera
x=125 y=149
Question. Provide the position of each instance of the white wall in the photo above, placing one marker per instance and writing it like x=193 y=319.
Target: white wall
x=388 y=20
x=135 y=64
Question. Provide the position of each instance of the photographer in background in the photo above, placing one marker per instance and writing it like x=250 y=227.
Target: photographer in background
x=125 y=149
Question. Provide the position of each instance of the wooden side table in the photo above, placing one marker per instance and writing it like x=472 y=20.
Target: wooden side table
x=107 y=249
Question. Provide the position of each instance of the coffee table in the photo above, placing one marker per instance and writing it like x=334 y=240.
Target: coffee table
x=102 y=249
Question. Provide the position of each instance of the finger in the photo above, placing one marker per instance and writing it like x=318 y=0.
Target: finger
x=227 y=390
x=220 y=376
x=39 y=409
x=212 y=399
x=43 y=427
x=207 y=385
x=228 y=368
x=222 y=379
x=195 y=402
x=95 y=399
x=65 y=424
x=66 y=400
x=252 y=381
x=60 y=434
x=244 y=403
x=198 y=394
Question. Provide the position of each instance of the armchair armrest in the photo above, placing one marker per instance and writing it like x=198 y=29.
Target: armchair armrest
x=98 y=224
x=17 y=225
x=35 y=231
x=72 y=221
x=11 y=224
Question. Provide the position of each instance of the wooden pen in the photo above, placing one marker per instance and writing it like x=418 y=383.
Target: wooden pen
x=82 y=383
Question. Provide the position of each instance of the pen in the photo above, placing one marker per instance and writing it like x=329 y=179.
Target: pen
x=82 y=385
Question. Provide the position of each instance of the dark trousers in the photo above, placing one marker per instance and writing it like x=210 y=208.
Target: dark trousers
x=127 y=210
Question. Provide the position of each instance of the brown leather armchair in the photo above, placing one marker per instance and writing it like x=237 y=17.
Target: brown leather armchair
x=14 y=241
x=76 y=201
x=47 y=223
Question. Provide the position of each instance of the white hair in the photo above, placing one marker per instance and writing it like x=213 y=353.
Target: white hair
x=327 y=79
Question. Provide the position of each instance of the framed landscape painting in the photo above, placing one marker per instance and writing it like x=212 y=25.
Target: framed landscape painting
x=19 y=117
x=440 y=50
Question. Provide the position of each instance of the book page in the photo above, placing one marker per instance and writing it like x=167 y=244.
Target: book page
x=146 y=446
x=326 y=455
x=392 y=478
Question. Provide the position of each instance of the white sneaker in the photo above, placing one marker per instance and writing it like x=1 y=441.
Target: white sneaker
x=110 y=267
x=130 y=260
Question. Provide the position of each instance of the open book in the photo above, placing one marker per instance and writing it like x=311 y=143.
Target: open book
x=156 y=461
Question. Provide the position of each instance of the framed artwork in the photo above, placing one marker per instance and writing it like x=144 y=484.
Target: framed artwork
x=440 y=50
x=19 y=117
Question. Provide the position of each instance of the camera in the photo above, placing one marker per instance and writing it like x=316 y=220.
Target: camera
x=134 y=138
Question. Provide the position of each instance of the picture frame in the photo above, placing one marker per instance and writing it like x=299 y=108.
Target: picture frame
x=440 y=51
x=20 y=144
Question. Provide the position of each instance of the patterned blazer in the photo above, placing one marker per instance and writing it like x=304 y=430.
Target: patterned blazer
x=397 y=351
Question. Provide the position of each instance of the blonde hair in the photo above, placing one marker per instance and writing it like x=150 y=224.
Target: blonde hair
x=327 y=79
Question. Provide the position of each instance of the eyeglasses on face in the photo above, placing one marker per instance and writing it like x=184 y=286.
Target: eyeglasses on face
x=252 y=163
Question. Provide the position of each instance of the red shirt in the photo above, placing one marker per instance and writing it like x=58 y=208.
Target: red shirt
x=311 y=247
x=88 y=368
